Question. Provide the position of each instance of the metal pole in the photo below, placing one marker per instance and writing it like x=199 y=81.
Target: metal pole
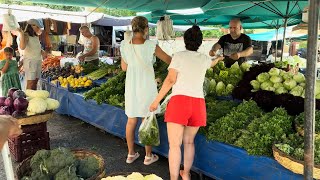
x=276 y=43
x=309 y=105
x=284 y=37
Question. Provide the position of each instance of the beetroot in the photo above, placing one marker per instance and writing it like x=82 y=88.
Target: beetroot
x=5 y=110
x=18 y=94
x=8 y=102
x=2 y=99
x=18 y=114
x=11 y=91
x=20 y=104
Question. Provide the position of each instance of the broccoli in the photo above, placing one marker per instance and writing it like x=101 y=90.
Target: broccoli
x=58 y=159
x=38 y=159
x=88 y=167
x=37 y=175
x=67 y=173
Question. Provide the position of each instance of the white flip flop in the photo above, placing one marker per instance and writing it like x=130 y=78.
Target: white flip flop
x=151 y=159
x=133 y=158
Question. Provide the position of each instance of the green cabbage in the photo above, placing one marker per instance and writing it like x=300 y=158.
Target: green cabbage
x=266 y=85
x=277 y=85
x=281 y=90
x=255 y=84
x=276 y=79
x=274 y=71
x=263 y=77
x=212 y=86
x=302 y=84
x=220 y=88
x=287 y=75
x=245 y=66
x=299 y=77
x=229 y=89
x=297 y=91
x=270 y=88
x=289 y=84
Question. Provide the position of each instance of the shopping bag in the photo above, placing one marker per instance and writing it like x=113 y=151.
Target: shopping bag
x=163 y=105
x=149 y=131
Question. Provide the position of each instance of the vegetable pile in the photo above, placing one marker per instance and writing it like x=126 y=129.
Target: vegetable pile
x=61 y=164
x=134 y=176
x=50 y=62
x=111 y=92
x=39 y=102
x=14 y=104
x=280 y=82
x=222 y=80
x=56 y=72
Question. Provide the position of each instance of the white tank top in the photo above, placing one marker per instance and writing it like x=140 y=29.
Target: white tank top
x=88 y=47
x=32 y=52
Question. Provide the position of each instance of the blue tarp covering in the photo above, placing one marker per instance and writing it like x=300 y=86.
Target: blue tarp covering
x=214 y=159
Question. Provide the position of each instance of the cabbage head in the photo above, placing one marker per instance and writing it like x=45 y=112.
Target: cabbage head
x=299 y=77
x=287 y=75
x=276 y=79
x=289 y=84
x=245 y=66
x=229 y=89
x=266 y=84
x=220 y=88
x=297 y=91
x=255 y=84
x=274 y=72
x=277 y=85
x=263 y=77
x=270 y=88
x=281 y=90
x=302 y=84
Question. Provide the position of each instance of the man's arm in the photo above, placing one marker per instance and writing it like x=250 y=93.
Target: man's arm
x=214 y=49
x=247 y=52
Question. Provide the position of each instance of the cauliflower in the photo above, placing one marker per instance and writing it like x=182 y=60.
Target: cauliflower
x=88 y=167
x=37 y=105
x=37 y=94
x=135 y=176
x=152 y=177
x=52 y=104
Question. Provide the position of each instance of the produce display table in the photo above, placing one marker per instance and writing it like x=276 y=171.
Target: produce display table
x=214 y=159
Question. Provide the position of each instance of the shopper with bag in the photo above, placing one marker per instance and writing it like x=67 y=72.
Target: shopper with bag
x=138 y=56
x=33 y=54
x=186 y=110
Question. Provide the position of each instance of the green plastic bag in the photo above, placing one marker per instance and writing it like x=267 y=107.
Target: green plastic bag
x=149 y=131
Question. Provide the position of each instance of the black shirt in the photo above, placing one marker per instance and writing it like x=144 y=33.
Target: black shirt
x=230 y=46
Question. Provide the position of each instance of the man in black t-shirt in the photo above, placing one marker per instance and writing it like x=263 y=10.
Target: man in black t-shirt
x=236 y=46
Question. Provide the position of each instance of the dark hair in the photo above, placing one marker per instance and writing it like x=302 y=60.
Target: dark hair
x=193 y=38
x=8 y=50
x=30 y=31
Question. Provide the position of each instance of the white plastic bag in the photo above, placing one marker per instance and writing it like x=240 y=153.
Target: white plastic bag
x=163 y=105
x=149 y=134
x=10 y=22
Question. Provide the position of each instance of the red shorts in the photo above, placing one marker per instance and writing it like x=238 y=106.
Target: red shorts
x=186 y=110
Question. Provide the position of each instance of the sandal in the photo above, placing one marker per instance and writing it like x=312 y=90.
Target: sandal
x=132 y=158
x=151 y=159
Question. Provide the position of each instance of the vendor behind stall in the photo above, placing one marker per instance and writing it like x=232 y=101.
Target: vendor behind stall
x=236 y=46
x=91 y=47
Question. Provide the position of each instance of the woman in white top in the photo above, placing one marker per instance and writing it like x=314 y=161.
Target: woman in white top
x=186 y=110
x=138 y=56
x=33 y=54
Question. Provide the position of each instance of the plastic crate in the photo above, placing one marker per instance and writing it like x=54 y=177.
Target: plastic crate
x=33 y=138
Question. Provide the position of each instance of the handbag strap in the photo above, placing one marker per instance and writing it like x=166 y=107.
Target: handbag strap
x=140 y=58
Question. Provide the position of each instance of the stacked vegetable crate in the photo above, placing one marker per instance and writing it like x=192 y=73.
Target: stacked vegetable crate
x=33 y=138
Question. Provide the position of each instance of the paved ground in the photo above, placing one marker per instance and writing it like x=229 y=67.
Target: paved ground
x=73 y=133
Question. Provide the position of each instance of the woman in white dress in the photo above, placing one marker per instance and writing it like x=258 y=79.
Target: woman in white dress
x=138 y=57
x=33 y=54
